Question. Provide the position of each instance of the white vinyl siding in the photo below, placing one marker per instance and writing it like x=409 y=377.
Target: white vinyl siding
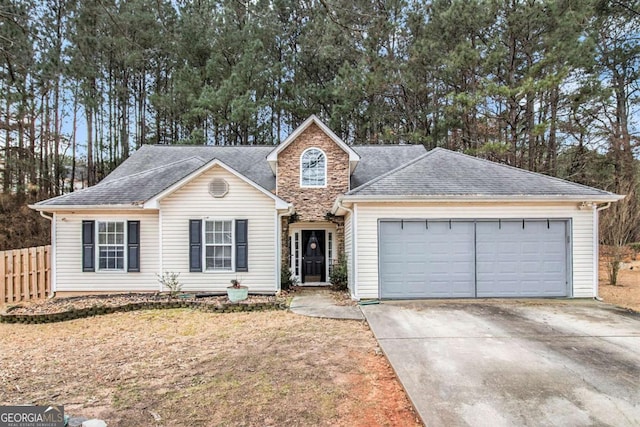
x=580 y=262
x=243 y=201
x=348 y=251
x=68 y=259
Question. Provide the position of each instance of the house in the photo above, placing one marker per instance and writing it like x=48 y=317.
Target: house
x=410 y=223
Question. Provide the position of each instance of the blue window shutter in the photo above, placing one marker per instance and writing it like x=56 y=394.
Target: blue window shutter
x=133 y=246
x=195 y=245
x=88 y=246
x=242 y=252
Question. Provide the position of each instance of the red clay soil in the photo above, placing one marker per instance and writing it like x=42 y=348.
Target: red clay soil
x=379 y=400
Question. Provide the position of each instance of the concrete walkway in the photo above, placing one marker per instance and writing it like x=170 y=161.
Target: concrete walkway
x=320 y=303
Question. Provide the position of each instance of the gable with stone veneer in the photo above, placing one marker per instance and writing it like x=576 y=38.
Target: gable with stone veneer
x=312 y=204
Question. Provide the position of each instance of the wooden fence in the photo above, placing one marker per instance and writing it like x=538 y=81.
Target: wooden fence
x=25 y=274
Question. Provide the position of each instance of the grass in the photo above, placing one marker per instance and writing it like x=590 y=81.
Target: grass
x=183 y=367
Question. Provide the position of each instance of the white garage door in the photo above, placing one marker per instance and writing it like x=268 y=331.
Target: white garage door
x=467 y=259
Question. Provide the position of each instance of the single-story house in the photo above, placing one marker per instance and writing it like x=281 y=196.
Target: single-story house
x=410 y=223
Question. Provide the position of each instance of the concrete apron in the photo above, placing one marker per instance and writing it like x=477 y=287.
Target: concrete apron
x=504 y=363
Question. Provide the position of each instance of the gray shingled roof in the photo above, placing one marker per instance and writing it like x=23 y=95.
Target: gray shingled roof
x=391 y=170
x=376 y=160
x=154 y=168
x=441 y=172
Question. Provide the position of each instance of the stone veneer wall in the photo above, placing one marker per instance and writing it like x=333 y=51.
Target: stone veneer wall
x=339 y=240
x=312 y=204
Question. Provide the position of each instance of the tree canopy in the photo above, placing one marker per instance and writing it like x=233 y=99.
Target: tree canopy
x=546 y=85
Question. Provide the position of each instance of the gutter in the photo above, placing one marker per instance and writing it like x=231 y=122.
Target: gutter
x=53 y=252
x=596 y=248
x=409 y=198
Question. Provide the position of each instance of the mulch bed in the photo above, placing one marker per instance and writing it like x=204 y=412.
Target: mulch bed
x=61 y=309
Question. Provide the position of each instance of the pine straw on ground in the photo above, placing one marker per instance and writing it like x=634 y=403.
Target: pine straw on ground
x=188 y=368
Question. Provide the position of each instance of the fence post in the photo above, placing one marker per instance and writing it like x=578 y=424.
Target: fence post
x=3 y=278
x=18 y=271
x=9 y=276
x=43 y=254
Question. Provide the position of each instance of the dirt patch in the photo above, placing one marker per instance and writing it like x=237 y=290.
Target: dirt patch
x=379 y=399
x=627 y=292
x=184 y=367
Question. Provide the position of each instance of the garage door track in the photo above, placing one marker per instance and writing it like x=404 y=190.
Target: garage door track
x=505 y=363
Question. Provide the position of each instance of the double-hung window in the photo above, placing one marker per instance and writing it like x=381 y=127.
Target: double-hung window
x=218 y=242
x=111 y=245
x=218 y=245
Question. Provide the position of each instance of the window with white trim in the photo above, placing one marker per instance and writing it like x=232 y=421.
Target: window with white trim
x=313 y=168
x=218 y=242
x=330 y=250
x=111 y=245
x=296 y=267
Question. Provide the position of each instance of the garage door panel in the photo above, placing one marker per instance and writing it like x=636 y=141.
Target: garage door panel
x=534 y=264
x=392 y=248
x=437 y=259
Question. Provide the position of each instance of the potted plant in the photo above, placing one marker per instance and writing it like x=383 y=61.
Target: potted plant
x=236 y=292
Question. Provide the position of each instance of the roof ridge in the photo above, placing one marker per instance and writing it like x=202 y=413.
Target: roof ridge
x=566 y=181
x=208 y=146
x=387 y=145
x=392 y=171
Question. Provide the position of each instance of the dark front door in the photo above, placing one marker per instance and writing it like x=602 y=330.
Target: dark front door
x=313 y=266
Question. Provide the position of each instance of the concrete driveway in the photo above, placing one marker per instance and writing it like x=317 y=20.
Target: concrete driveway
x=505 y=363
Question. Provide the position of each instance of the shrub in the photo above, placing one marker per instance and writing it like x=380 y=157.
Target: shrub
x=287 y=280
x=169 y=280
x=339 y=276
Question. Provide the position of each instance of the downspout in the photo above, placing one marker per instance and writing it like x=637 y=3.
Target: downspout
x=290 y=211
x=596 y=248
x=160 y=250
x=52 y=277
x=352 y=259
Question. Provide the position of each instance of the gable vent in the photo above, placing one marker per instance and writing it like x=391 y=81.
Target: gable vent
x=218 y=187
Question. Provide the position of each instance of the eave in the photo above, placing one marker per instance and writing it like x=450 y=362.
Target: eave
x=58 y=208
x=272 y=157
x=586 y=199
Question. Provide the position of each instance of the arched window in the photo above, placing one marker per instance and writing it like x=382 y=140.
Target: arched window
x=313 y=168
